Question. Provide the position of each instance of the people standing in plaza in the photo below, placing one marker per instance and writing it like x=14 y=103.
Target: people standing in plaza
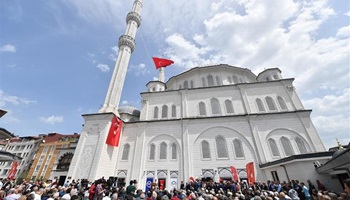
x=305 y=191
x=130 y=190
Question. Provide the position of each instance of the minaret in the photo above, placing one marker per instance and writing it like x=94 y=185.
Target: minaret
x=126 y=46
x=93 y=158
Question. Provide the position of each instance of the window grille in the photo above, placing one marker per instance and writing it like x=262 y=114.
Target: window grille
x=270 y=103
x=237 y=144
x=186 y=85
x=173 y=111
x=202 y=110
x=218 y=82
x=203 y=82
x=260 y=104
x=152 y=151
x=192 y=85
x=301 y=145
x=229 y=79
x=126 y=149
x=205 y=150
x=163 y=150
x=273 y=147
x=229 y=106
x=155 y=113
x=235 y=79
x=287 y=147
x=221 y=147
x=210 y=80
x=282 y=103
x=164 y=111
x=173 y=151
x=215 y=106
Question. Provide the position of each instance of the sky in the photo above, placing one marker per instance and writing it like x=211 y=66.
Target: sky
x=57 y=56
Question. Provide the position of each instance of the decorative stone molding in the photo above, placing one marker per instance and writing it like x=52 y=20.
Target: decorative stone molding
x=127 y=41
x=135 y=17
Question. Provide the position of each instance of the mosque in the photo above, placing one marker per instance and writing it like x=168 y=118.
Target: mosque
x=198 y=124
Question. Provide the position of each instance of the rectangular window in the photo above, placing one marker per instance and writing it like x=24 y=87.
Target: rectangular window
x=37 y=167
x=275 y=176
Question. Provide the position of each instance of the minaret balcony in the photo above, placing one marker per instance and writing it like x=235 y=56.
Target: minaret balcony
x=127 y=41
x=135 y=17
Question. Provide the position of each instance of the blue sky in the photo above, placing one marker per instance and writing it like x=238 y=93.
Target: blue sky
x=57 y=56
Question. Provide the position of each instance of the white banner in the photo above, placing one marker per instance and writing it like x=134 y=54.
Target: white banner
x=173 y=183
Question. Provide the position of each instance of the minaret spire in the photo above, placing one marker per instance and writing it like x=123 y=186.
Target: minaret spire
x=126 y=46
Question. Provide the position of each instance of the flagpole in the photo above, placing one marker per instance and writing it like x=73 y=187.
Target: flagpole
x=161 y=75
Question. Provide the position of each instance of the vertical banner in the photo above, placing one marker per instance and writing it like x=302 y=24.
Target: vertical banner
x=161 y=183
x=149 y=182
x=173 y=183
x=234 y=173
x=13 y=171
x=250 y=173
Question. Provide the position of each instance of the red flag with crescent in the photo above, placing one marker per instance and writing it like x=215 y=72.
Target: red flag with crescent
x=250 y=172
x=13 y=171
x=114 y=132
x=234 y=173
x=161 y=62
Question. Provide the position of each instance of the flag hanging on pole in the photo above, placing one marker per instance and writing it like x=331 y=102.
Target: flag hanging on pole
x=234 y=173
x=161 y=62
x=13 y=171
x=114 y=132
x=250 y=172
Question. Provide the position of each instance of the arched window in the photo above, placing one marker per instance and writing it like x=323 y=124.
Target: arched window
x=205 y=150
x=173 y=151
x=301 y=145
x=260 y=105
x=152 y=151
x=203 y=82
x=282 y=103
x=180 y=87
x=237 y=144
x=173 y=111
x=64 y=161
x=221 y=147
x=210 y=80
x=202 y=110
x=287 y=147
x=218 y=82
x=275 y=76
x=241 y=80
x=192 y=85
x=270 y=103
x=164 y=111
x=229 y=106
x=267 y=78
x=215 y=106
x=155 y=113
x=126 y=149
x=185 y=84
x=273 y=147
x=229 y=80
x=235 y=79
x=162 y=151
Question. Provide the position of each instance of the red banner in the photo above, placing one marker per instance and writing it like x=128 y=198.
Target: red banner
x=13 y=171
x=161 y=184
x=114 y=132
x=250 y=172
x=234 y=173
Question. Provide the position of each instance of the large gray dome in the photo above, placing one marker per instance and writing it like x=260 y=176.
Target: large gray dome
x=129 y=110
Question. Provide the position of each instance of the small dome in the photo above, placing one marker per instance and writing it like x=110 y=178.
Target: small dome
x=129 y=110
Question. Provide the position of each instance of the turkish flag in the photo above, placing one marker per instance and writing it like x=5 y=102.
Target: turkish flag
x=114 y=132
x=161 y=62
x=234 y=173
x=13 y=171
x=250 y=172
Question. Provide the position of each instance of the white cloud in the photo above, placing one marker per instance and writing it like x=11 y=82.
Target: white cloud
x=103 y=67
x=114 y=54
x=52 y=119
x=125 y=102
x=344 y=31
x=8 y=48
x=139 y=70
x=14 y=100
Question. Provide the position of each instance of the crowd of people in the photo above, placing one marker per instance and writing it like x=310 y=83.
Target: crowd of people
x=103 y=189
